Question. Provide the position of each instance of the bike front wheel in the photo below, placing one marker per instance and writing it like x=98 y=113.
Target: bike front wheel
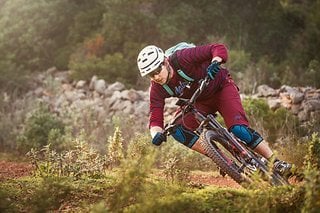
x=224 y=159
x=230 y=161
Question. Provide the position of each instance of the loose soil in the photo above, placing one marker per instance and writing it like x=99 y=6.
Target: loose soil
x=9 y=170
x=207 y=179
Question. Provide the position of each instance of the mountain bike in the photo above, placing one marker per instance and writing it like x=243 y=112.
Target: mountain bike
x=228 y=152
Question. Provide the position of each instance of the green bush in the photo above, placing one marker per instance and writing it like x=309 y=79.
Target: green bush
x=13 y=112
x=5 y=202
x=41 y=126
x=248 y=74
x=80 y=161
x=312 y=176
x=312 y=75
x=110 y=68
x=115 y=148
x=133 y=173
x=273 y=125
x=239 y=60
x=49 y=195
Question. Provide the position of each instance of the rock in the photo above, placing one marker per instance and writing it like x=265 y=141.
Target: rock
x=294 y=94
x=303 y=116
x=266 y=91
x=51 y=70
x=117 y=86
x=311 y=105
x=100 y=86
x=285 y=100
x=295 y=109
x=128 y=107
x=103 y=101
x=66 y=87
x=116 y=96
x=296 y=97
x=39 y=92
x=80 y=84
x=274 y=104
x=62 y=77
x=93 y=82
x=130 y=95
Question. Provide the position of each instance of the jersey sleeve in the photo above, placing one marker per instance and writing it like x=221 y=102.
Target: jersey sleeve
x=157 y=102
x=201 y=54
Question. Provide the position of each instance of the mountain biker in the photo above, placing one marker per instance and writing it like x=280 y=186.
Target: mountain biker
x=221 y=95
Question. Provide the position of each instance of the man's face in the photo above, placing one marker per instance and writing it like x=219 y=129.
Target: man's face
x=160 y=75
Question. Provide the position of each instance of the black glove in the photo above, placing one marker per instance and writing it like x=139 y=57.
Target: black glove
x=159 y=138
x=213 y=69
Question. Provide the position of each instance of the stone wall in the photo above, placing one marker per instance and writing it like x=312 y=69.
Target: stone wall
x=113 y=99
x=303 y=102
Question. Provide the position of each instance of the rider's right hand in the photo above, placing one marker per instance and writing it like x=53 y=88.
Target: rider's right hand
x=159 y=138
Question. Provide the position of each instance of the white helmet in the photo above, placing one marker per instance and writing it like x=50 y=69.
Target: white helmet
x=149 y=59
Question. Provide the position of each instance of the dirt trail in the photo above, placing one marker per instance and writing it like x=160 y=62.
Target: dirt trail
x=14 y=170
x=9 y=170
x=205 y=179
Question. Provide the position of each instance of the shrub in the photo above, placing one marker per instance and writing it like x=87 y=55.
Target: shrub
x=39 y=127
x=312 y=75
x=13 y=112
x=239 y=61
x=115 y=148
x=175 y=171
x=49 y=195
x=5 y=202
x=90 y=59
x=313 y=157
x=133 y=174
x=292 y=150
x=312 y=176
x=79 y=162
x=272 y=125
x=185 y=157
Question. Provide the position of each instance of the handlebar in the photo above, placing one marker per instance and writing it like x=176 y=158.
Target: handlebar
x=203 y=84
x=186 y=104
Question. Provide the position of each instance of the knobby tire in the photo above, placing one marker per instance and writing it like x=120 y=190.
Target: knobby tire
x=223 y=162
x=220 y=160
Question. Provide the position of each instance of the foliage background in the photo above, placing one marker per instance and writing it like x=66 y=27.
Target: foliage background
x=270 y=41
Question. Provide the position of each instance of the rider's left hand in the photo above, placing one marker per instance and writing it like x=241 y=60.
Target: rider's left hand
x=213 y=69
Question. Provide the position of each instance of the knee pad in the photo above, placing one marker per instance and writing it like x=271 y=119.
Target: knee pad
x=247 y=135
x=184 y=136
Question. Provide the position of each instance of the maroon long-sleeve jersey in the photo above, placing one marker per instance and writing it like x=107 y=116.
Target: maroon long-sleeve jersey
x=194 y=62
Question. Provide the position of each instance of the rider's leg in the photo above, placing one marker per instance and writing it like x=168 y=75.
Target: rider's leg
x=264 y=150
x=184 y=131
x=253 y=139
x=187 y=138
x=230 y=107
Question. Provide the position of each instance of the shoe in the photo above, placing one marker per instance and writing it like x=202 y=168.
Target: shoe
x=282 y=168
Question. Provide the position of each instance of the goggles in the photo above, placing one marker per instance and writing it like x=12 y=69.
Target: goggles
x=156 y=71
